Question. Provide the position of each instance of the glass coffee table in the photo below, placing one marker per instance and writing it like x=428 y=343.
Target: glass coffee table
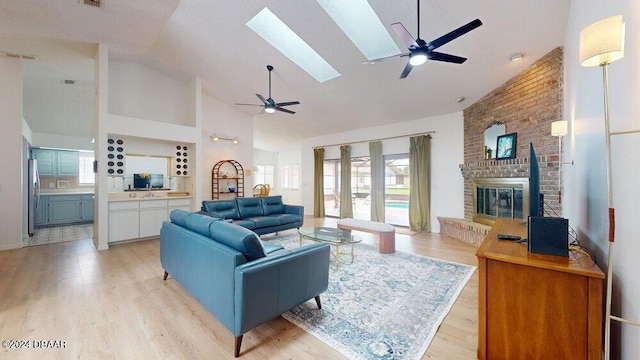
x=332 y=236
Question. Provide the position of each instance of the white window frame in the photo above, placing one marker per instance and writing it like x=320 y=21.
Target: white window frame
x=290 y=176
x=86 y=176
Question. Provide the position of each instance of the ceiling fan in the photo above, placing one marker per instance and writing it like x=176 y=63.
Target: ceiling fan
x=421 y=51
x=269 y=105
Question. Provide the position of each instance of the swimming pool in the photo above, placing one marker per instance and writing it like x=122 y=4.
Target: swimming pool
x=396 y=205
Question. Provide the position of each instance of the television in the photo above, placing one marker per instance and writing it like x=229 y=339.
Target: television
x=141 y=181
x=536 y=199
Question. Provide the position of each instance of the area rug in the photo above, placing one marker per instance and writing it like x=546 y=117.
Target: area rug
x=381 y=306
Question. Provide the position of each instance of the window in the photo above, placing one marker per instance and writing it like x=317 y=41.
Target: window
x=264 y=175
x=85 y=168
x=291 y=176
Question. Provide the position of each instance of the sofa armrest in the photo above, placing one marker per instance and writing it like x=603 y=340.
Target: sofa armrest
x=267 y=287
x=213 y=214
x=293 y=209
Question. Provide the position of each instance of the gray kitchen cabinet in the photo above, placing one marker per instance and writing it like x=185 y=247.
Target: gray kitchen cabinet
x=42 y=215
x=67 y=163
x=64 y=209
x=56 y=162
x=46 y=161
x=86 y=205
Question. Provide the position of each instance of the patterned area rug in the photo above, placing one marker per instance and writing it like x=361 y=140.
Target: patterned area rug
x=381 y=306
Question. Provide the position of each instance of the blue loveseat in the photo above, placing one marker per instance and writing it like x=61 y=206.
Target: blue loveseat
x=242 y=281
x=263 y=215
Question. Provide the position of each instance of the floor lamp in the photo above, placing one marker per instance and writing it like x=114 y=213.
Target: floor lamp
x=602 y=43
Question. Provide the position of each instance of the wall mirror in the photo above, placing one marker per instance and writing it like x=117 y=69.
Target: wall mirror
x=157 y=165
x=491 y=137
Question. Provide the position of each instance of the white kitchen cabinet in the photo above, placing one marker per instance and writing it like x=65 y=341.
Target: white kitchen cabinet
x=152 y=214
x=124 y=225
x=134 y=219
x=178 y=204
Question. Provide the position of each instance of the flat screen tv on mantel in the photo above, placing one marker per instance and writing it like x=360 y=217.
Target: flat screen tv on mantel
x=536 y=199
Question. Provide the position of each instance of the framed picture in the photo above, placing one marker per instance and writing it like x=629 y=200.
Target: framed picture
x=63 y=184
x=506 y=147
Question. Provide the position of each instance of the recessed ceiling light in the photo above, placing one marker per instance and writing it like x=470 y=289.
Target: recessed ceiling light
x=362 y=25
x=517 y=57
x=280 y=36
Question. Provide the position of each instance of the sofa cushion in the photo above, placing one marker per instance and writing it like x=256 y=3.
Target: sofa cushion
x=270 y=247
x=200 y=223
x=264 y=221
x=272 y=205
x=251 y=225
x=287 y=218
x=179 y=217
x=249 y=207
x=238 y=238
x=227 y=209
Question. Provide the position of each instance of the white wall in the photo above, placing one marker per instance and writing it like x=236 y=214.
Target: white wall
x=289 y=196
x=141 y=92
x=447 y=152
x=585 y=184
x=11 y=161
x=227 y=122
x=61 y=141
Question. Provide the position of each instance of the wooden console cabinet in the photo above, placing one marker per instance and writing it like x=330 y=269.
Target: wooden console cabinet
x=534 y=306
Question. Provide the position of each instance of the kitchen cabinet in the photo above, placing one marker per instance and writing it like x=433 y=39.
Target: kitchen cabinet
x=133 y=219
x=64 y=209
x=56 y=162
x=41 y=211
x=67 y=164
x=86 y=207
x=46 y=161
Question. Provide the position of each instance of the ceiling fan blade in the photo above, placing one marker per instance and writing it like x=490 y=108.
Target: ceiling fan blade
x=288 y=103
x=285 y=110
x=373 y=61
x=406 y=71
x=262 y=98
x=402 y=32
x=434 y=55
x=250 y=105
x=454 y=34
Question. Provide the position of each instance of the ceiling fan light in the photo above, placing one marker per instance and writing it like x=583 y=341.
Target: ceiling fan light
x=269 y=110
x=417 y=59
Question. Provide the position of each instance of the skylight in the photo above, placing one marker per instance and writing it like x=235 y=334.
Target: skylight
x=280 y=36
x=360 y=23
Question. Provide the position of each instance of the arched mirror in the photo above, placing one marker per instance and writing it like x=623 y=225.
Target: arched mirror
x=491 y=138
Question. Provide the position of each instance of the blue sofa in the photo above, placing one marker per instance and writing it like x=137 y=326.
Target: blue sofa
x=263 y=215
x=241 y=280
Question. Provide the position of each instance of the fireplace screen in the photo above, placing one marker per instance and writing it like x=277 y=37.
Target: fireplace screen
x=500 y=198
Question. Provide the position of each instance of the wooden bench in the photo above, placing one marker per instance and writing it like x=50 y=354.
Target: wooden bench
x=386 y=232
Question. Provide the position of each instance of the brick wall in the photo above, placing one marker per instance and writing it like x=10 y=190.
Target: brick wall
x=527 y=104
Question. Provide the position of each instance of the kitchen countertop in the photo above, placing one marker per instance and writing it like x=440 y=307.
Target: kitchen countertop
x=137 y=198
x=67 y=193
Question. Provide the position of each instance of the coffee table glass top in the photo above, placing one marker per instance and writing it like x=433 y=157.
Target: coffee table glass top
x=329 y=235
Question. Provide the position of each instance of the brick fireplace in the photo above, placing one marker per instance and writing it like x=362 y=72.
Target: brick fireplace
x=527 y=104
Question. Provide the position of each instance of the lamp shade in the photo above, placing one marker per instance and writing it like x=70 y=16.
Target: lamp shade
x=559 y=128
x=602 y=42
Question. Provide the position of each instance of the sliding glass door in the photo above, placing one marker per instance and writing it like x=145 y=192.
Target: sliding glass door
x=396 y=180
x=396 y=189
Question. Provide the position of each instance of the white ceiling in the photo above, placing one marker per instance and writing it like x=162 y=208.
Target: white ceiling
x=209 y=39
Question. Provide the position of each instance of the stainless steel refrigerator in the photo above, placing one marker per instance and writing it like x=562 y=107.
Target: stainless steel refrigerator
x=34 y=194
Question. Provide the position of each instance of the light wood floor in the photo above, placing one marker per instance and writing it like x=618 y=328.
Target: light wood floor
x=113 y=304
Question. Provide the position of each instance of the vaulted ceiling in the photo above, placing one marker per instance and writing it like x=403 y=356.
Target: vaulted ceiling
x=210 y=39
